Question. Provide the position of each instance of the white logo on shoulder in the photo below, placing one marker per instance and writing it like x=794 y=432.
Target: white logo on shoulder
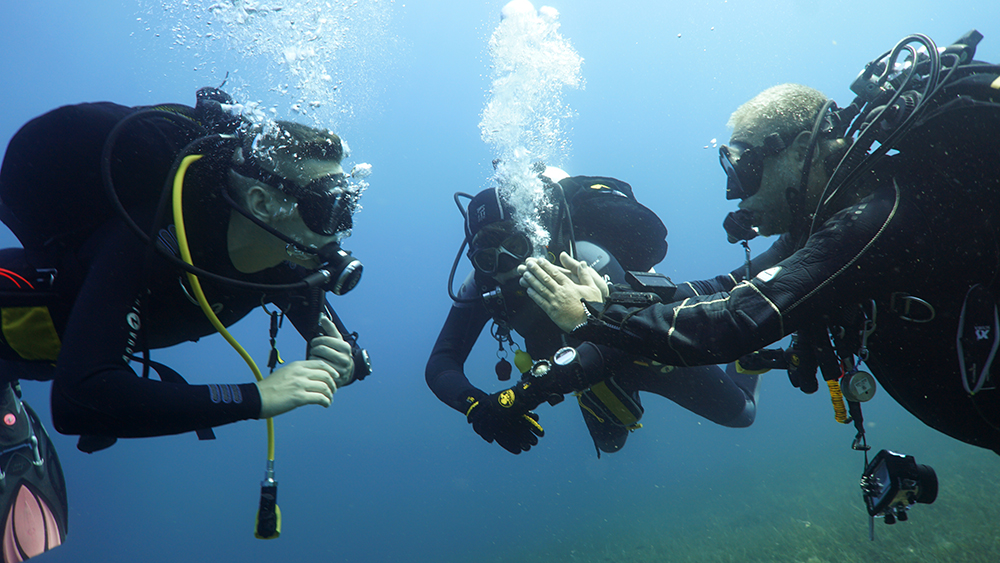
x=768 y=274
x=133 y=321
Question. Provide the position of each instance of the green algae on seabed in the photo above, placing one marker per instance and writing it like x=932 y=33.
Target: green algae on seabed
x=819 y=520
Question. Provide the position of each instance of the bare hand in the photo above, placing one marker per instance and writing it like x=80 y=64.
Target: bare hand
x=312 y=381
x=306 y=382
x=560 y=292
x=582 y=273
x=334 y=350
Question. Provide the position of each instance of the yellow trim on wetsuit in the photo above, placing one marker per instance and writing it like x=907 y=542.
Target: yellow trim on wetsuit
x=29 y=331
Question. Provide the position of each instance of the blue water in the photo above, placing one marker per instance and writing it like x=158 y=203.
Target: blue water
x=390 y=474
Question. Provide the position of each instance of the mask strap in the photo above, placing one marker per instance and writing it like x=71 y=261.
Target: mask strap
x=284 y=238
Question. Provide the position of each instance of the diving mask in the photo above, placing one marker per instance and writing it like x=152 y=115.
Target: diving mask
x=487 y=260
x=326 y=204
x=744 y=165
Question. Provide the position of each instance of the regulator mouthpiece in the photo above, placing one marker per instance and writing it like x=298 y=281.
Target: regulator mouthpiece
x=739 y=226
x=344 y=270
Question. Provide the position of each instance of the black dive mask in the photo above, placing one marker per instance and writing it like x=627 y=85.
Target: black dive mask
x=326 y=204
x=744 y=165
x=511 y=252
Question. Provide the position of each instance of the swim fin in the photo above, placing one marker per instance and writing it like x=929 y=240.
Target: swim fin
x=33 y=506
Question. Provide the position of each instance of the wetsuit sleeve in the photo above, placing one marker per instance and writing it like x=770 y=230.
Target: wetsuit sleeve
x=445 y=368
x=781 y=249
x=695 y=288
x=95 y=390
x=720 y=328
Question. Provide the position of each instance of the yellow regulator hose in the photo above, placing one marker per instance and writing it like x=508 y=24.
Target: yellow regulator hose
x=182 y=242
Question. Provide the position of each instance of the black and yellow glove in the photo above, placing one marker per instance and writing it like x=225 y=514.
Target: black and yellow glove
x=506 y=417
x=802 y=363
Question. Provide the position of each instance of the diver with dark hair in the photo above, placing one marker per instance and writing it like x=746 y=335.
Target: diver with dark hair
x=888 y=211
x=593 y=218
x=147 y=227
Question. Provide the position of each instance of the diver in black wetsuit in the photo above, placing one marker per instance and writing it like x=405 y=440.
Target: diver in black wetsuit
x=895 y=247
x=265 y=206
x=611 y=406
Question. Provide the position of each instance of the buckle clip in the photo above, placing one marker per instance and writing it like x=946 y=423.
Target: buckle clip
x=902 y=304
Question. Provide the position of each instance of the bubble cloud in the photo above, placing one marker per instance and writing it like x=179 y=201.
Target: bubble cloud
x=523 y=117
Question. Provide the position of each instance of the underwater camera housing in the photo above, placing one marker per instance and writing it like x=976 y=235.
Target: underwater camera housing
x=892 y=482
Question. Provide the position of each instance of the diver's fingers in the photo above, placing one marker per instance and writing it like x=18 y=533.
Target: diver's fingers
x=524 y=266
x=319 y=377
x=341 y=362
x=337 y=353
x=330 y=339
x=542 y=273
x=326 y=348
x=533 y=281
x=539 y=300
x=329 y=327
x=317 y=345
x=569 y=263
x=580 y=270
x=585 y=274
x=559 y=275
x=306 y=382
x=589 y=276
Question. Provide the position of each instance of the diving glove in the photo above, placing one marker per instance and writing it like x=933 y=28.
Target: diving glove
x=802 y=364
x=506 y=417
x=799 y=360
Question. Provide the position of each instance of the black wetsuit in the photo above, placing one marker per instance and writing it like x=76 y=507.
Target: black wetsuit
x=115 y=297
x=705 y=390
x=919 y=234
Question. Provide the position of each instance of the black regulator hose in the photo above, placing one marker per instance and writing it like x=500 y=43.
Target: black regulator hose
x=858 y=159
x=194 y=147
x=458 y=257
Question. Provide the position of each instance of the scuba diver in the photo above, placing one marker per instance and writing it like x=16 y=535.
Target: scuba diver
x=147 y=227
x=598 y=220
x=888 y=212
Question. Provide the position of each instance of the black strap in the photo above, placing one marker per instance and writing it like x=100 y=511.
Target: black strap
x=91 y=443
x=168 y=375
